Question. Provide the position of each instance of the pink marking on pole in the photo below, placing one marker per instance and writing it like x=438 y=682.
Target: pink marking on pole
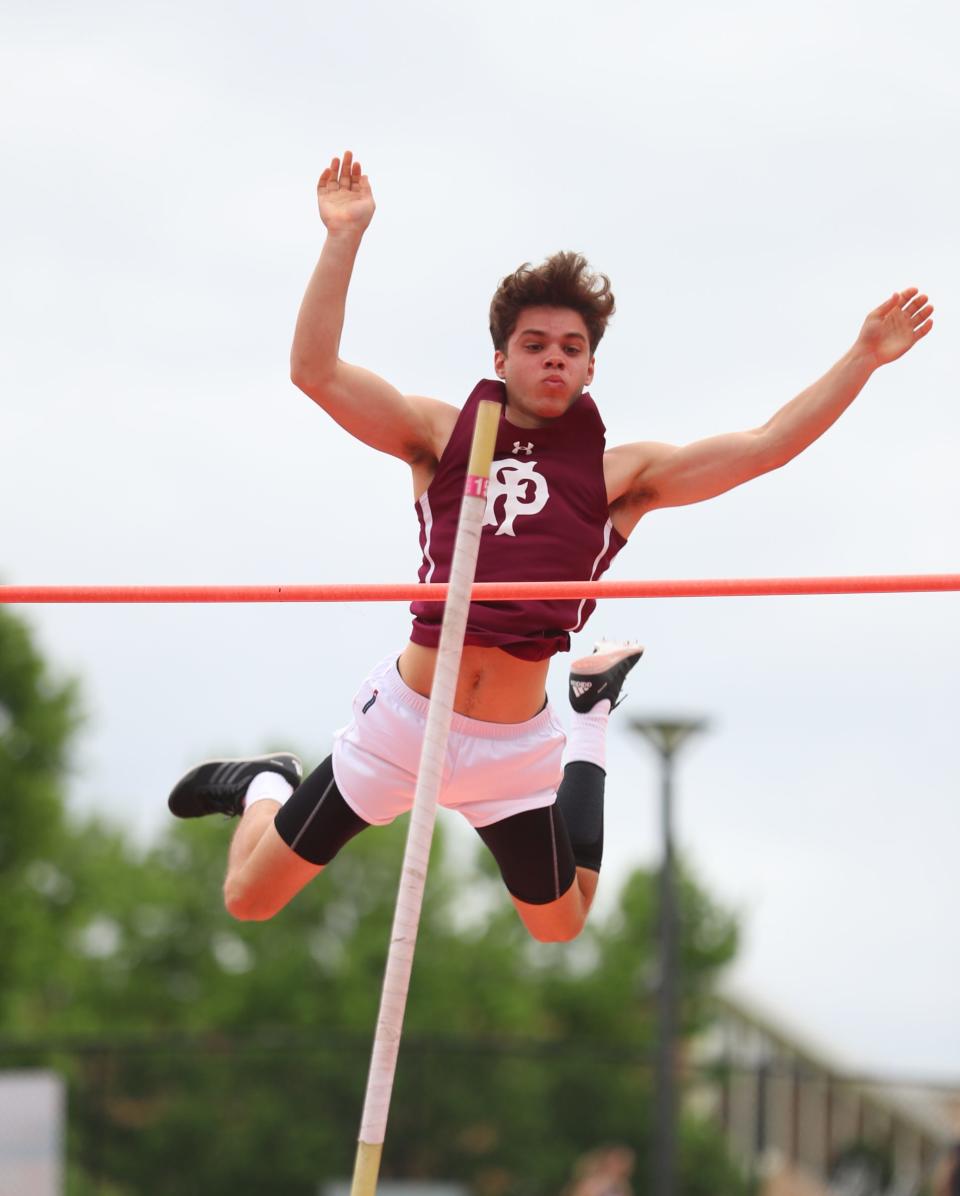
x=492 y=591
x=475 y=486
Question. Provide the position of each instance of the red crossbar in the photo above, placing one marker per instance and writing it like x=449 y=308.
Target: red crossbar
x=492 y=591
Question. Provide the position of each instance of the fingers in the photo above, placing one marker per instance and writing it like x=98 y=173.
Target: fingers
x=330 y=174
x=913 y=305
x=917 y=310
x=886 y=308
x=350 y=171
x=344 y=174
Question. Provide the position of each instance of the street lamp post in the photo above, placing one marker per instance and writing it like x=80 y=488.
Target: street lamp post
x=667 y=735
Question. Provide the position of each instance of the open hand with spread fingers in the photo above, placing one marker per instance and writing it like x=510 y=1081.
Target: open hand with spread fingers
x=896 y=326
x=344 y=196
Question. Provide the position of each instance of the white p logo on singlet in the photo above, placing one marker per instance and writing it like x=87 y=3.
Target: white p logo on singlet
x=523 y=490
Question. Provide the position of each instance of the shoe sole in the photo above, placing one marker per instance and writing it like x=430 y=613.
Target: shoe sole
x=590 y=666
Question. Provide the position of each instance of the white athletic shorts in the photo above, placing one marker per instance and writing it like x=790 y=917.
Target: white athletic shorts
x=491 y=770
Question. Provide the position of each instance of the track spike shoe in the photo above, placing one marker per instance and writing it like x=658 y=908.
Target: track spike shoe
x=601 y=676
x=219 y=786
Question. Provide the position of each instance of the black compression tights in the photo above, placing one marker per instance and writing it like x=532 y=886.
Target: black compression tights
x=580 y=798
x=537 y=851
x=315 y=821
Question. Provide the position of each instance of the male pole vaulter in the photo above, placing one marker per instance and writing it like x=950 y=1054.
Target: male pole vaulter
x=560 y=506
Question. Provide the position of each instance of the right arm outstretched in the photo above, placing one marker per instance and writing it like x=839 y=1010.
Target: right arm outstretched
x=410 y=427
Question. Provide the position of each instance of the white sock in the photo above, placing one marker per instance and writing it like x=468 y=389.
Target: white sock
x=587 y=739
x=267 y=786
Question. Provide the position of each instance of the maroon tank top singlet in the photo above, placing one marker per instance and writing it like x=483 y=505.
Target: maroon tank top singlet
x=547 y=520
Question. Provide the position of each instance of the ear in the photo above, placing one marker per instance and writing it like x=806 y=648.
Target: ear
x=590 y=369
x=499 y=363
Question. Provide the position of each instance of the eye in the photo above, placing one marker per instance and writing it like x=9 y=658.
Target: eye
x=573 y=350
x=534 y=345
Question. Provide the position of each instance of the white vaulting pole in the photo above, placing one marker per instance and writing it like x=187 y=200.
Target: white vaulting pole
x=406 y=918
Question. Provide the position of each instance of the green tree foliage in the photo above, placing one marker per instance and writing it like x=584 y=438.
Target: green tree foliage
x=210 y=1056
x=38 y=716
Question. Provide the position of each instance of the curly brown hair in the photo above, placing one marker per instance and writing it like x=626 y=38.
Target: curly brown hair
x=563 y=280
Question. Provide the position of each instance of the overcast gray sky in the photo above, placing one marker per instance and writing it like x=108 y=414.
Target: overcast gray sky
x=753 y=177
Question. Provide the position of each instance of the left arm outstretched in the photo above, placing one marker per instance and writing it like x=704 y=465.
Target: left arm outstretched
x=642 y=477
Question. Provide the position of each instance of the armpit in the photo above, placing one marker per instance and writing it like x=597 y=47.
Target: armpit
x=627 y=511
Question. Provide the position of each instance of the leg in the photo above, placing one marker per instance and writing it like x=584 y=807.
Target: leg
x=579 y=811
x=263 y=873
x=288 y=831
x=561 y=920
x=278 y=849
x=595 y=684
x=576 y=822
x=551 y=894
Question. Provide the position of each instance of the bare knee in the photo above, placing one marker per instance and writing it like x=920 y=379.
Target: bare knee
x=246 y=904
x=259 y=885
x=554 y=934
x=559 y=922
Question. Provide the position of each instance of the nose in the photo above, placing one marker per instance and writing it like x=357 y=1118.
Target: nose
x=554 y=361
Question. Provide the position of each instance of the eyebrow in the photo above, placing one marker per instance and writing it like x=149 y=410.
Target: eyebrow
x=564 y=335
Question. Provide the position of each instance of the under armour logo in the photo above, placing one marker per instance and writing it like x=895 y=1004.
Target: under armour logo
x=523 y=448
x=581 y=687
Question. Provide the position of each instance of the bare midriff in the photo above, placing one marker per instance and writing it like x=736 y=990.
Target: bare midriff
x=494 y=687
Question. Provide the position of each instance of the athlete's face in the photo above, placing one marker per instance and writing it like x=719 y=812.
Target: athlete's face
x=546 y=365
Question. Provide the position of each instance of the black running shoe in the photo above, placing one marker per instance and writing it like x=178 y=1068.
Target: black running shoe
x=219 y=786
x=594 y=678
